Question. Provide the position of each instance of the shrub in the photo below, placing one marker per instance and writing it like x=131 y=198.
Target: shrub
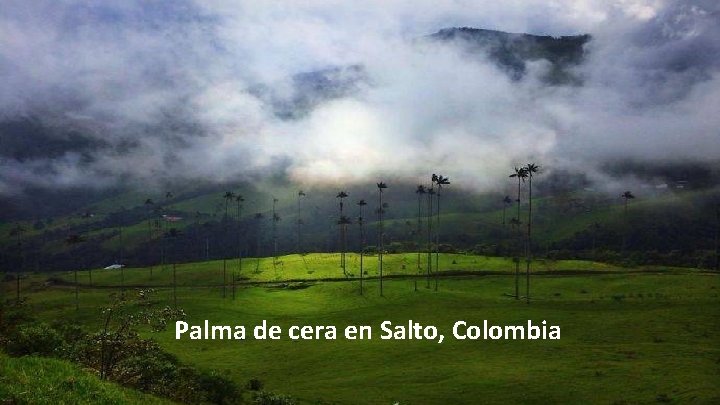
x=218 y=389
x=271 y=398
x=36 y=339
x=255 y=384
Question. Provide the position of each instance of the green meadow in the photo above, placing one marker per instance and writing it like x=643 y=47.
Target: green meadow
x=628 y=335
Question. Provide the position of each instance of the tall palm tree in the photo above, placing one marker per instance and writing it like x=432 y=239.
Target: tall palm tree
x=430 y=193
x=626 y=196
x=72 y=240
x=239 y=200
x=18 y=231
x=361 y=204
x=87 y=215
x=149 y=207
x=717 y=237
x=163 y=225
x=275 y=220
x=298 y=248
x=344 y=222
x=420 y=191
x=440 y=181
x=173 y=233
x=258 y=236
x=342 y=195
x=521 y=175
x=121 y=258
x=506 y=203
x=228 y=196
x=530 y=169
x=595 y=228
x=381 y=232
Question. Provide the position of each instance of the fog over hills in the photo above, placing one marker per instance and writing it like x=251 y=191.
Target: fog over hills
x=127 y=95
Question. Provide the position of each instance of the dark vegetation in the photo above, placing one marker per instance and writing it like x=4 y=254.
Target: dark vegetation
x=117 y=351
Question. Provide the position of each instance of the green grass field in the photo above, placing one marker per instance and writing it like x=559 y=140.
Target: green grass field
x=37 y=380
x=628 y=335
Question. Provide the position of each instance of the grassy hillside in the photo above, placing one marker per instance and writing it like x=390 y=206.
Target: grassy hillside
x=37 y=380
x=628 y=335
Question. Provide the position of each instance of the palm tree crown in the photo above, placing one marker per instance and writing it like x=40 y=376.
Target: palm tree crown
x=441 y=181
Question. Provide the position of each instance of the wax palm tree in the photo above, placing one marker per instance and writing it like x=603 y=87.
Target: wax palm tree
x=258 y=236
x=344 y=222
x=86 y=216
x=163 y=226
x=173 y=233
x=298 y=248
x=121 y=258
x=626 y=196
x=239 y=200
x=440 y=181
x=506 y=203
x=18 y=231
x=149 y=207
x=361 y=204
x=420 y=191
x=381 y=232
x=430 y=193
x=342 y=195
x=72 y=240
x=197 y=234
x=595 y=228
x=521 y=175
x=228 y=196
x=275 y=220
x=717 y=237
x=530 y=169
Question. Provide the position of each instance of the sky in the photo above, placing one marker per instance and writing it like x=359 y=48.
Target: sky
x=185 y=90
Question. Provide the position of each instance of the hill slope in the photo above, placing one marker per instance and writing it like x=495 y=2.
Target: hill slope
x=37 y=380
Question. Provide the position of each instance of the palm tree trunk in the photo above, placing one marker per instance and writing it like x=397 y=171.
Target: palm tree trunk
x=297 y=245
x=418 y=238
x=77 y=296
x=274 y=238
x=174 y=284
x=717 y=237
x=437 y=240
x=362 y=249
x=122 y=253
x=87 y=241
x=429 y=239
x=380 y=241
x=17 y=285
x=239 y=244
x=528 y=248
x=224 y=250
x=149 y=246
x=625 y=226
x=517 y=257
x=257 y=245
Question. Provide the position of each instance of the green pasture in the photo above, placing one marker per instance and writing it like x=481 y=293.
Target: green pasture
x=628 y=335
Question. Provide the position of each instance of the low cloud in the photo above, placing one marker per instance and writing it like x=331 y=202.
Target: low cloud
x=181 y=90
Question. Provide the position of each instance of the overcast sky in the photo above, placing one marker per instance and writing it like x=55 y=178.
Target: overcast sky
x=167 y=87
